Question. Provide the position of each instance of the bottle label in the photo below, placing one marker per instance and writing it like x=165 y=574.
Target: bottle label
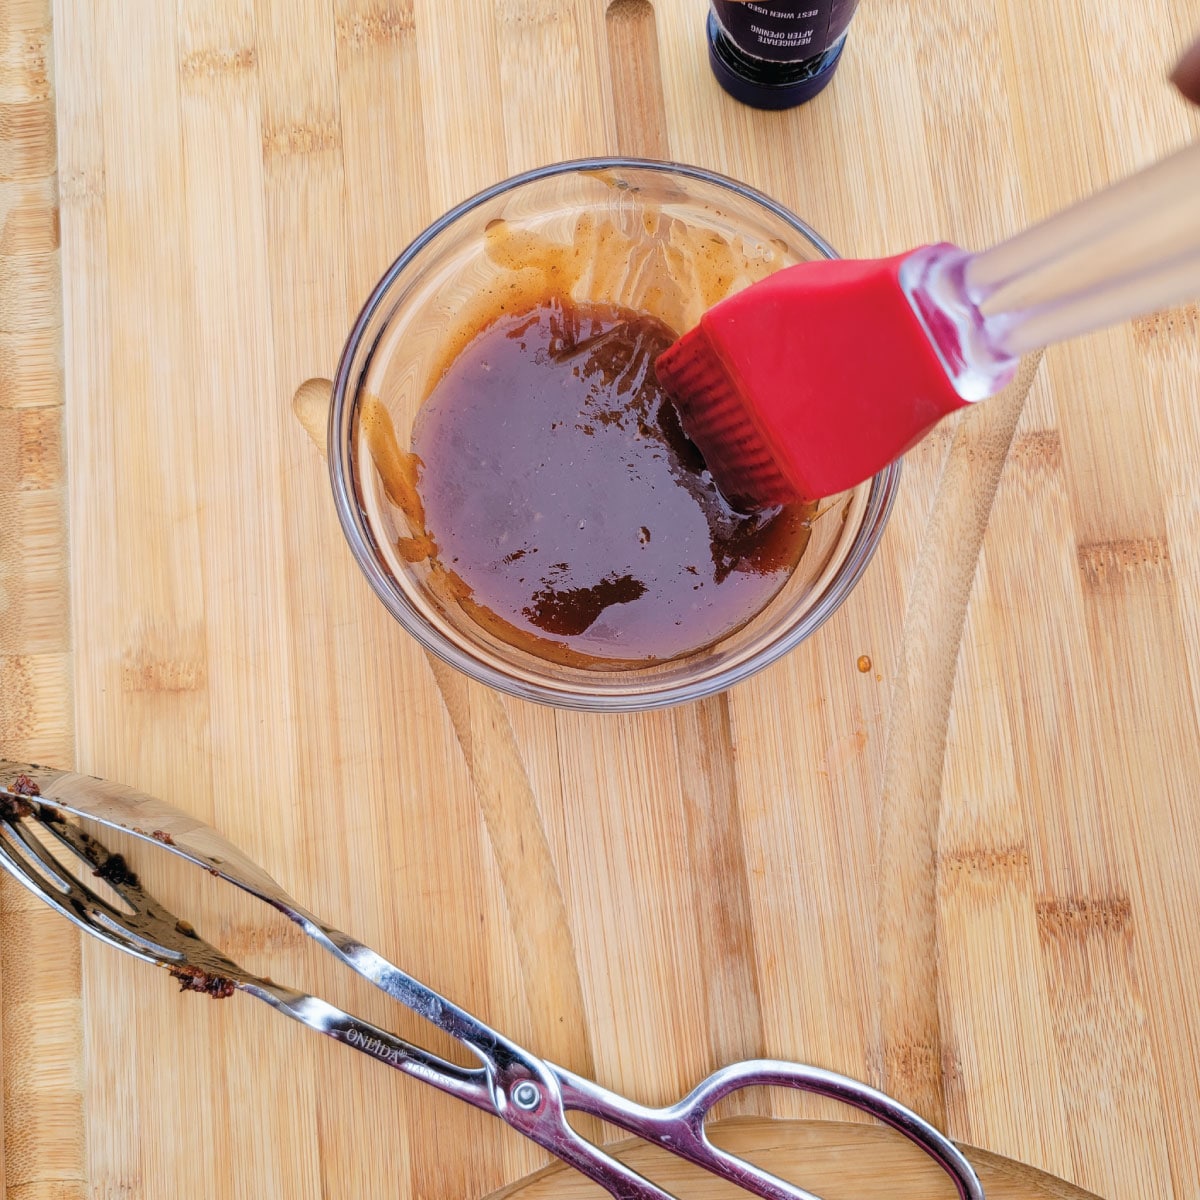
x=784 y=30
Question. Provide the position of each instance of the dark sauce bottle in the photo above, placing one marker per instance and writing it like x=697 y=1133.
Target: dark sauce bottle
x=777 y=53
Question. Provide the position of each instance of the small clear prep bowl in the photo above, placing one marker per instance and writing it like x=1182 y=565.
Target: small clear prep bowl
x=663 y=218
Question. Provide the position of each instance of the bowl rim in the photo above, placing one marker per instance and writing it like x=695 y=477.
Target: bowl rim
x=340 y=457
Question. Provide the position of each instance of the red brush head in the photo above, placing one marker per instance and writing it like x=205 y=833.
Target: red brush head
x=808 y=383
x=721 y=424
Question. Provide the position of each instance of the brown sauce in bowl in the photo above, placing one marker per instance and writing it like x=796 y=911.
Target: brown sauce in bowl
x=561 y=500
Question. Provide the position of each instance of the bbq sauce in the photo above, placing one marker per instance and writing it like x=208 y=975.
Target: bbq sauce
x=561 y=505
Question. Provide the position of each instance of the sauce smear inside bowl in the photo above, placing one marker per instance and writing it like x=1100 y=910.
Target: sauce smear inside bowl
x=565 y=504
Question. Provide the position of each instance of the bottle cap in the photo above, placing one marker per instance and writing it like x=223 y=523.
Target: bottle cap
x=765 y=84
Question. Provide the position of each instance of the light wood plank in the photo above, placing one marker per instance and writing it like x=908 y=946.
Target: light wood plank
x=42 y=1093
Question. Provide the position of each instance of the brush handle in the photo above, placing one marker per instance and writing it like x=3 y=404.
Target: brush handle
x=1130 y=249
x=1162 y=286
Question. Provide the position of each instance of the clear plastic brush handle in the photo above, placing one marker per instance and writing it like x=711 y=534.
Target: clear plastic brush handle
x=1131 y=249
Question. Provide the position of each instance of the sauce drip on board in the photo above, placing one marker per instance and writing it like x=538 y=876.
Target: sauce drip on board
x=564 y=507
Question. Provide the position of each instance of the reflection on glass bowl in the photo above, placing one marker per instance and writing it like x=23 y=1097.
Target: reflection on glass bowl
x=660 y=239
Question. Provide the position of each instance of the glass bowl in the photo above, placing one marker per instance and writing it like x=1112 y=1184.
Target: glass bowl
x=659 y=237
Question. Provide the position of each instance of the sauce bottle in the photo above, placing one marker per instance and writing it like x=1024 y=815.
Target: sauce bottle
x=776 y=53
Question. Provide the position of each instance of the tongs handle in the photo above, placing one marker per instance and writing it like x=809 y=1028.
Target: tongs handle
x=681 y=1128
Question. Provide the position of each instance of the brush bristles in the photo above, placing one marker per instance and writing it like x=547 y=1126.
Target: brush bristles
x=714 y=415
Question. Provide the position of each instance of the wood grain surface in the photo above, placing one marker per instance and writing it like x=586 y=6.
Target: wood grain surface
x=966 y=874
x=41 y=1035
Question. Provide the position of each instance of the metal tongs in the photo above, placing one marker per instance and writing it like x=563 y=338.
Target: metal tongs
x=527 y=1093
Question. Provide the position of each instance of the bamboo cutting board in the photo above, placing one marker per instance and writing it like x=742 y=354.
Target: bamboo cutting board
x=966 y=873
